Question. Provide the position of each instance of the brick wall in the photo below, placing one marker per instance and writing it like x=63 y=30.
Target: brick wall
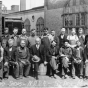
x=54 y=20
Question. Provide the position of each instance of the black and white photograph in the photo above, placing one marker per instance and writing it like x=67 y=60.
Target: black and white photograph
x=43 y=43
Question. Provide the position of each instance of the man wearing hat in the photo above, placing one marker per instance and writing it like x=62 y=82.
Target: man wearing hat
x=62 y=37
x=37 y=55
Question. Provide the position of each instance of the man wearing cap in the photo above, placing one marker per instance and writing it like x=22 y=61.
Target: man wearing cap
x=73 y=38
x=37 y=55
x=15 y=37
x=23 y=36
x=62 y=37
x=23 y=58
x=10 y=60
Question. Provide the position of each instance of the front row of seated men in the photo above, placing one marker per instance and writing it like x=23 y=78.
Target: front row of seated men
x=21 y=58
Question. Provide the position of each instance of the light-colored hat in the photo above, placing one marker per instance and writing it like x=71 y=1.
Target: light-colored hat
x=35 y=58
x=63 y=29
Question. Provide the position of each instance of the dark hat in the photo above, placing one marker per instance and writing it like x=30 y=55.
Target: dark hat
x=32 y=29
x=66 y=41
x=45 y=28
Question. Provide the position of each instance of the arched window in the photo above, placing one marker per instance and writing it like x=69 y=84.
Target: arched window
x=40 y=26
x=27 y=26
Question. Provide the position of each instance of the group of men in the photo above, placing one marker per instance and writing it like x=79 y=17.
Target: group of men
x=19 y=52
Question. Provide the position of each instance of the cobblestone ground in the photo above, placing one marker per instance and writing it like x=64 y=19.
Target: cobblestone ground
x=44 y=82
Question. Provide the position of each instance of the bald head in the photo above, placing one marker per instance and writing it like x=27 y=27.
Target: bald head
x=38 y=41
x=24 y=31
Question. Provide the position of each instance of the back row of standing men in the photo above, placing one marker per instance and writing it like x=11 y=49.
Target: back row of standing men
x=18 y=51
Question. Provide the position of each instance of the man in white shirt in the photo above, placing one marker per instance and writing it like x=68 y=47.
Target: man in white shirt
x=73 y=38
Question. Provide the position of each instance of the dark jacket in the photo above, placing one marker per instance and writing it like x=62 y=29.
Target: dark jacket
x=86 y=53
x=56 y=39
x=16 y=41
x=76 y=53
x=53 y=51
x=86 y=39
x=61 y=41
x=9 y=56
x=45 y=42
x=66 y=51
x=40 y=52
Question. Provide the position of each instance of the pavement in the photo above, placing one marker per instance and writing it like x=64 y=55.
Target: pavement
x=44 y=82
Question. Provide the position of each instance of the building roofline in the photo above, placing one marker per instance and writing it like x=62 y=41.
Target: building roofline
x=29 y=10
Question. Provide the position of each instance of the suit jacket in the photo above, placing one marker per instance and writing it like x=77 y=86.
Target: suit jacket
x=46 y=42
x=86 y=39
x=75 y=53
x=61 y=41
x=40 y=52
x=56 y=39
x=52 y=52
x=9 y=56
x=66 y=51
x=16 y=41
x=86 y=53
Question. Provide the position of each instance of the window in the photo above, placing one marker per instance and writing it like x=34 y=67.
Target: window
x=82 y=18
x=66 y=20
x=27 y=26
x=40 y=26
x=77 y=19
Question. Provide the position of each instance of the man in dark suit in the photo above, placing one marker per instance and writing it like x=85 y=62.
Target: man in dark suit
x=10 y=60
x=53 y=55
x=62 y=37
x=38 y=53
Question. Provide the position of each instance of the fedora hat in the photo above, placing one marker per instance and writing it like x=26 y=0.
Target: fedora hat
x=35 y=58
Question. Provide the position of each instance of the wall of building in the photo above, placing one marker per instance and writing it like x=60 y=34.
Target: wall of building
x=54 y=19
x=27 y=15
